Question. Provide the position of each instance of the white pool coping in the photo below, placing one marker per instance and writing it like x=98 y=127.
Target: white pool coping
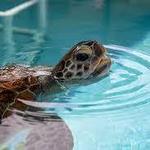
x=18 y=8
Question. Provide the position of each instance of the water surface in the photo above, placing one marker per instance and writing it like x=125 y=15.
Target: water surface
x=112 y=113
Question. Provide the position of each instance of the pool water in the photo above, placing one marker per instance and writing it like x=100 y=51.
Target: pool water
x=112 y=113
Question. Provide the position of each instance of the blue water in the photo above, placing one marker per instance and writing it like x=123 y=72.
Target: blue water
x=113 y=113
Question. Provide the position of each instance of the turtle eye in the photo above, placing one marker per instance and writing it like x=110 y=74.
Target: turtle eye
x=82 y=56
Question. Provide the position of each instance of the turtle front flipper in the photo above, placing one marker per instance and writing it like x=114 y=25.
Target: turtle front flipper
x=6 y=99
x=9 y=101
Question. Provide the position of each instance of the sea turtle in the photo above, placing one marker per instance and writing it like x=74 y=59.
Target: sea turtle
x=85 y=60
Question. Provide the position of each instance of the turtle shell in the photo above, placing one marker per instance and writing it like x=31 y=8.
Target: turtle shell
x=20 y=82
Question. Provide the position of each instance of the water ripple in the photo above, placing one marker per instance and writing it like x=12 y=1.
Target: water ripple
x=126 y=87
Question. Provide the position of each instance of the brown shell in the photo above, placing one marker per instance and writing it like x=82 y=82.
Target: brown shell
x=20 y=82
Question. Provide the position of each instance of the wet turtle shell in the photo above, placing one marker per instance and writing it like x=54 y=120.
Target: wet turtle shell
x=21 y=82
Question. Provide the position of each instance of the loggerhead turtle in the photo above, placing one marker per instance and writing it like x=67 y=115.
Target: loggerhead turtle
x=85 y=60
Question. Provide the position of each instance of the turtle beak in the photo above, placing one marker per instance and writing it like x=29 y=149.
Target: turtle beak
x=102 y=67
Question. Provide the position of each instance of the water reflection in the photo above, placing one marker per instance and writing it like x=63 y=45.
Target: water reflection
x=30 y=128
x=35 y=135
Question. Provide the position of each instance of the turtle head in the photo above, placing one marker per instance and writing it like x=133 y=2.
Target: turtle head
x=85 y=60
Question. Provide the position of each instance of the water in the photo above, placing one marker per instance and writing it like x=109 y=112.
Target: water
x=112 y=113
